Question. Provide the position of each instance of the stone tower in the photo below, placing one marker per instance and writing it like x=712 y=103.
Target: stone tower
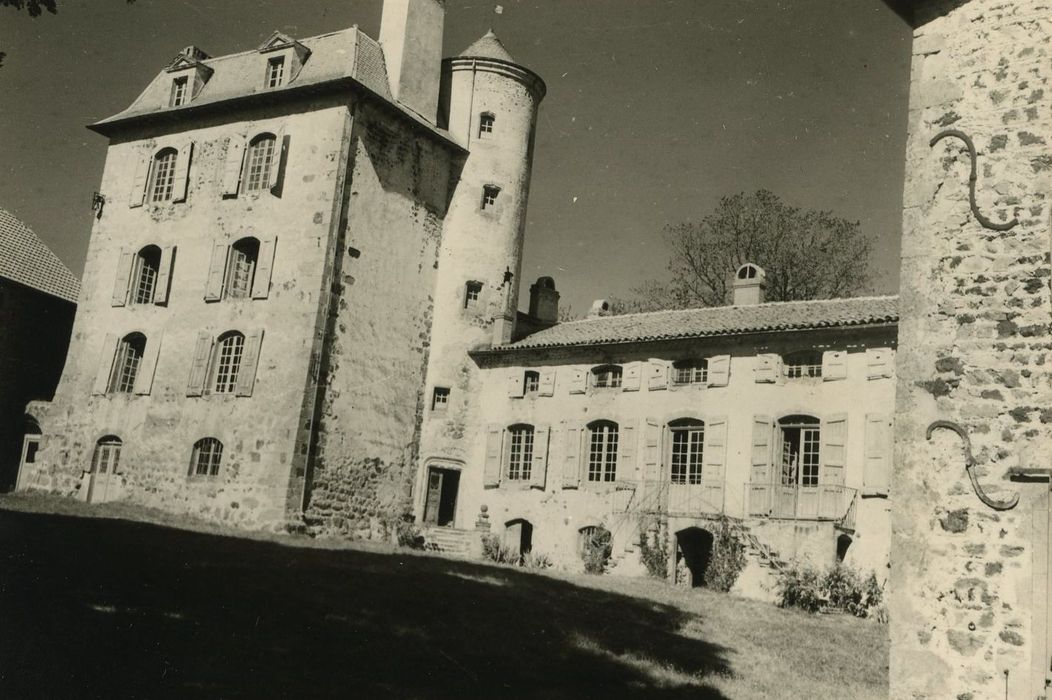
x=489 y=105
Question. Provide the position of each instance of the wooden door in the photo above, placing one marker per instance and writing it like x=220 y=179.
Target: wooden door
x=434 y=496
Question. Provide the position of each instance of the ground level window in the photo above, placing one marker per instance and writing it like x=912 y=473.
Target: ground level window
x=208 y=453
x=688 y=442
x=602 y=451
x=800 y=438
x=520 y=452
x=107 y=455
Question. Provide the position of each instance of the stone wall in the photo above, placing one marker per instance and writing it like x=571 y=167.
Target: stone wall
x=974 y=348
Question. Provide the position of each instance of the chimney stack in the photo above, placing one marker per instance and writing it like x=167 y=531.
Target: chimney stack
x=411 y=37
x=600 y=308
x=544 y=301
x=749 y=285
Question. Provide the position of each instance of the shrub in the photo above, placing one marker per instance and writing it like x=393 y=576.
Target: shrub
x=536 y=560
x=407 y=532
x=839 y=588
x=727 y=560
x=495 y=549
x=654 y=552
x=596 y=551
x=800 y=586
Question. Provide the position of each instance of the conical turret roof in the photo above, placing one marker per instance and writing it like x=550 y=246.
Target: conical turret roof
x=489 y=46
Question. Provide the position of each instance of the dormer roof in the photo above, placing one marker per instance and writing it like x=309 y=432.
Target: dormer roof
x=183 y=62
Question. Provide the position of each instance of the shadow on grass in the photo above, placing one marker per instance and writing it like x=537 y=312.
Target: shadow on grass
x=106 y=608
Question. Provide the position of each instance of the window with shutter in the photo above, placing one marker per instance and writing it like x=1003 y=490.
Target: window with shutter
x=688 y=448
x=145 y=271
x=520 y=453
x=162 y=178
x=602 y=451
x=126 y=363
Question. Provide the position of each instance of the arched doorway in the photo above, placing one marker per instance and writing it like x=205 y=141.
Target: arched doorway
x=693 y=554
x=842 y=544
x=518 y=536
x=30 y=443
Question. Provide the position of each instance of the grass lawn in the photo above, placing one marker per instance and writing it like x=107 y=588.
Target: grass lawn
x=104 y=607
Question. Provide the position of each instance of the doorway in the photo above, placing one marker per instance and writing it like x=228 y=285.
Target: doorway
x=518 y=537
x=104 y=481
x=694 y=550
x=440 y=506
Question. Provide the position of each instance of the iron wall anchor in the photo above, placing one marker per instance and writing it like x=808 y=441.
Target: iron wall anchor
x=972 y=179
x=969 y=463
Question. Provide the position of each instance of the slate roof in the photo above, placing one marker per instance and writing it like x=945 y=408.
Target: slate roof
x=25 y=259
x=488 y=46
x=714 y=321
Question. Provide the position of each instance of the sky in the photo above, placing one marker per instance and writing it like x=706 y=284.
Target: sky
x=655 y=109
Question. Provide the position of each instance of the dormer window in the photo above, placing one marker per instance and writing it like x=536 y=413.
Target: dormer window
x=180 y=91
x=489 y=196
x=486 y=122
x=276 y=72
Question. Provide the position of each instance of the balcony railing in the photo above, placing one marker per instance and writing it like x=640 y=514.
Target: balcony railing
x=671 y=499
x=822 y=502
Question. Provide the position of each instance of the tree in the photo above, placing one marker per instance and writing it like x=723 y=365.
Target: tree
x=806 y=254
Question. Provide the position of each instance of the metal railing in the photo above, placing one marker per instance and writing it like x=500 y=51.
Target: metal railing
x=822 y=502
x=667 y=498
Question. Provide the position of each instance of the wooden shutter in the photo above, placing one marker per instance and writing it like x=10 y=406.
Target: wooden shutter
x=547 y=386
x=278 y=166
x=657 y=375
x=834 y=441
x=234 y=166
x=216 y=271
x=264 y=266
x=515 y=382
x=834 y=365
x=626 y=452
x=762 y=432
x=539 y=473
x=878 y=363
x=492 y=466
x=630 y=378
x=246 y=375
x=148 y=366
x=123 y=280
x=199 y=365
x=578 y=381
x=652 y=450
x=719 y=370
x=164 y=275
x=142 y=175
x=182 y=172
x=715 y=458
x=767 y=368
x=572 y=457
x=102 y=373
x=876 y=476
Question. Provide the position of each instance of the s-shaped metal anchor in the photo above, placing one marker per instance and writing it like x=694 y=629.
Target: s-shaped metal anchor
x=969 y=463
x=971 y=180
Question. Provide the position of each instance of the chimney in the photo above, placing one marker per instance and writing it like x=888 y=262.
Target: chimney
x=411 y=37
x=749 y=285
x=600 y=308
x=195 y=54
x=544 y=301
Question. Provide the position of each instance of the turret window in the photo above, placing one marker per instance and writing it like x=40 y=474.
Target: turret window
x=471 y=293
x=486 y=122
x=489 y=196
x=440 y=399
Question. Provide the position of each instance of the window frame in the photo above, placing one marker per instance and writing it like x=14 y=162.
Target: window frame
x=259 y=171
x=531 y=382
x=109 y=447
x=472 y=293
x=691 y=432
x=807 y=472
x=227 y=356
x=440 y=398
x=244 y=251
x=180 y=91
x=802 y=364
x=490 y=195
x=518 y=464
x=602 y=452
x=213 y=458
x=127 y=362
x=487 y=125
x=697 y=372
x=141 y=265
x=608 y=376
x=275 y=75
x=164 y=165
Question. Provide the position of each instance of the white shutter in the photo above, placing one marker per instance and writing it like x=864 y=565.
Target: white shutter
x=234 y=166
x=715 y=449
x=246 y=374
x=515 y=382
x=123 y=280
x=216 y=271
x=878 y=363
x=834 y=442
x=148 y=366
x=199 y=365
x=719 y=370
x=547 y=386
x=492 y=467
x=539 y=472
x=652 y=450
x=578 y=381
x=278 y=166
x=657 y=375
x=182 y=172
x=768 y=368
x=626 y=452
x=572 y=457
x=164 y=275
x=264 y=267
x=834 y=365
x=762 y=431
x=105 y=367
x=142 y=175
x=630 y=378
x=876 y=479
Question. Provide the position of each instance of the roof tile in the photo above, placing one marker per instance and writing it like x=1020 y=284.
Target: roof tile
x=25 y=259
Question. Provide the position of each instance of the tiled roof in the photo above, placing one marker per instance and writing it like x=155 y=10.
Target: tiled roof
x=25 y=259
x=714 y=321
x=489 y=46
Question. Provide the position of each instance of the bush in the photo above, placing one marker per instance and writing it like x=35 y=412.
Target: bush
x=727 y=560
x=839 y=588
x=495 y=549
x=407 y=532
x=597 y=550
x=654 y=554
x=536 y=560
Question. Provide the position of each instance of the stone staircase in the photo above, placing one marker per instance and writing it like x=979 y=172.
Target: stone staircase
x=447 y=540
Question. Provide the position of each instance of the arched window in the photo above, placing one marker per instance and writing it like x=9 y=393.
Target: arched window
x=107 y=455
x=688 y=445
x=531 y=382
x=520 y=452
x=126 y=363
x=602 y=451
x=144 y=275
x=241 y=269
x=259 y=162
x=806 y=363
x=800 y=442
x=227 y=362
x=162 y=184
x=606 y=377
x=690 y=372
x=486 y=122
x=208 y=453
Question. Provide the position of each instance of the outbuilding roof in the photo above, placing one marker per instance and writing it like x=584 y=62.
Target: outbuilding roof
x=25 y=259
x=714 y=321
